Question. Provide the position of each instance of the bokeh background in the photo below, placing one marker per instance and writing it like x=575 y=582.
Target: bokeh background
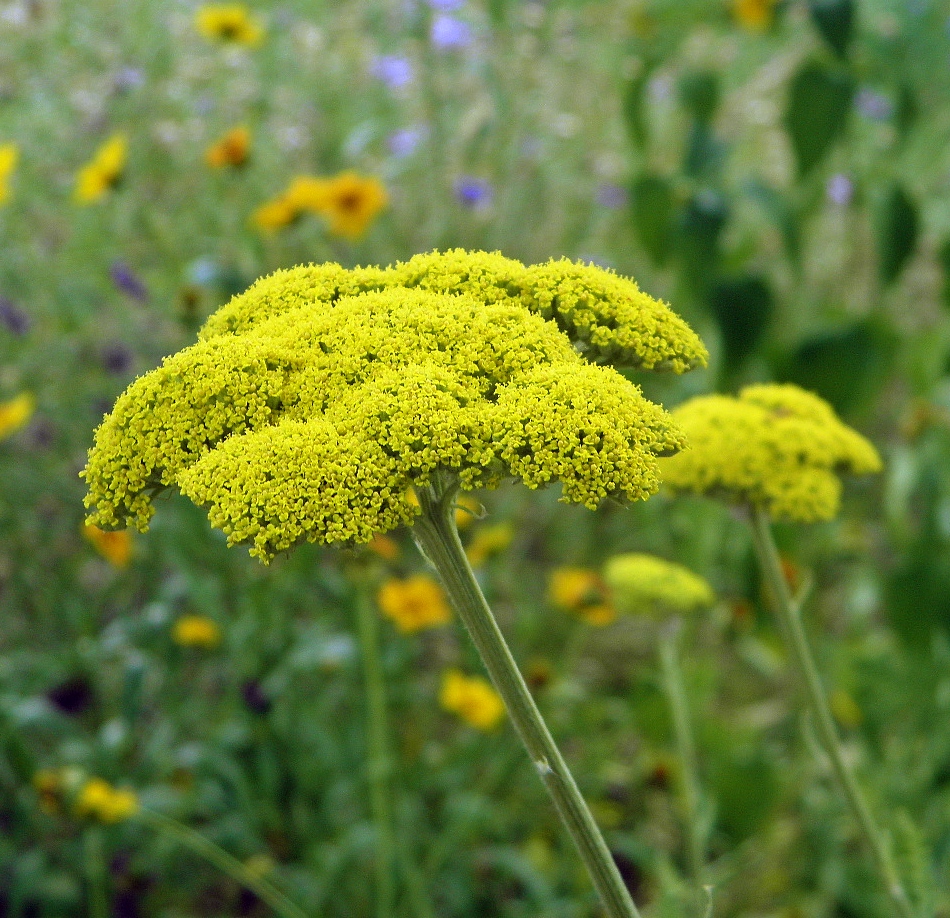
x=778 y=171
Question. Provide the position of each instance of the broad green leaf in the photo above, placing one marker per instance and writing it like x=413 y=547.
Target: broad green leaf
x=742 y=306
x=899 y=228
x=699 y=93
x=834 y=19
x=819 y=102
x=651 y=204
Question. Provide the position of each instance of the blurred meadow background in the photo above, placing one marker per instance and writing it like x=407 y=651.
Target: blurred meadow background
x=179 y=723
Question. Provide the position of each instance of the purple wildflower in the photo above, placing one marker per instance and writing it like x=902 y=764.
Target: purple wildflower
x=873 y=105
x=395 y=72
x=128 y=78
x=611 y=196
x=404 y=142
x=116 y=358
x=125 y=280
x=839 y=190
x=446 y=6
x=449 y=33
x=14 y=319
x=473 y=193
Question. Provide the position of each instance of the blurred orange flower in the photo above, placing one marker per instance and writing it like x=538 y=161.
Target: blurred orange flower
x=753 y=15
x=581 y=590
x=9 y=154
x=415 y=603
x=231 y=149
x=115 y=547
x=352 y=202
x=229 y=22
x=103 y=171
x=471 y=698
x=384 y=546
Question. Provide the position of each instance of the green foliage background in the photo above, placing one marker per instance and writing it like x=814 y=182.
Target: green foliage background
x=786 y=190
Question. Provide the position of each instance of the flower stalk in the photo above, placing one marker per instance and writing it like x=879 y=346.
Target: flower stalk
x=437 y=536
x=794 y=635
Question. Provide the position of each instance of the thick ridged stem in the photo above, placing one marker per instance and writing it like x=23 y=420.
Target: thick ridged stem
x=378 y=768
x=794 y=635
x=437 y=537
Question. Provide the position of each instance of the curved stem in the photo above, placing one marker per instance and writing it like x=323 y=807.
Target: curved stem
x=794 y=634
x=438 y=539
x=686 y=750
x=207 y=849
x=378 y=742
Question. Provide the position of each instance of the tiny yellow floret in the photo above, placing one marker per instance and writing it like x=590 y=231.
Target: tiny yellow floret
x=196 y=631
x=471 y=698
x=16 y=413
x=114 y=545
x=230 y=150
x=9 y=155
x=754 y=15
x=645 y=584
x=103 y=171
x=229 y=22
x=98 y=799
x=414 y=604
x=776 y=447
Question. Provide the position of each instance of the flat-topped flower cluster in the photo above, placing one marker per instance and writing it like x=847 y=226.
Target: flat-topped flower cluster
x=315 y=400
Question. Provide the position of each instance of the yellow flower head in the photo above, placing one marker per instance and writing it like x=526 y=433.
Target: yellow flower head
x=230 y=150
x=754 y=15
x=415 y=603
x=196 y=631
x=487 y=542
x=471 y=698
x=581 y=591
x=9 y=154
x=229 y=22
x=103 y=171
x=775 y=446
x=351 y=203
x=304 y=194
x=646 y=584
x=16 y=413
x=114 y=546
x=98 y=799
x=318 y=398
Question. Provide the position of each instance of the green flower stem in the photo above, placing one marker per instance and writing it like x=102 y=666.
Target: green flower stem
x=438 y=539
x=378 y=770
x=207 y=849
x=794 y=634
x=686 y=749
x=98 y=899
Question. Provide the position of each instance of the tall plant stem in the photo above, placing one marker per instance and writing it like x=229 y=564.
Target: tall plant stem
x=378 y=771
x=685 y=748
x=794 y=634
x=437 y=536
x=207 y=849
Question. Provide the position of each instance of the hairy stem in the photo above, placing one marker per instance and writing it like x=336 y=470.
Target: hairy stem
x=438 y=539
x=378 y=741
x=794 y=635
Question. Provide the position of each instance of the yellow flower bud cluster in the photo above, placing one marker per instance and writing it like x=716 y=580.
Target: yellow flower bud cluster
x=316 y=400
x=645 y=584
x=777 y=447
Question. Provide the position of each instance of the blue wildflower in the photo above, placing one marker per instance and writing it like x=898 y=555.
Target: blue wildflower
x=446 y=6
x=474 y=193
x=611 y=196
x=839 y=190
x=404 y=142
x=448 y=33
x=873 y=105
x=394 y=71
x=125 y=280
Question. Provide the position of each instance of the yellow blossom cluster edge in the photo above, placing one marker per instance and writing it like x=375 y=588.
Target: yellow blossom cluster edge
x=775 y=446
x=314 y=401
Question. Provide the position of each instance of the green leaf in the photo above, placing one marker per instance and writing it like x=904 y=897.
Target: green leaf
x=906 y=112
x=899 y=228
x=651 y=204
x=699 y=93
x=943 y=256
x=834 y=19
x=633 y=108
x=819 y=102
x=700 y=224
x=743 y=307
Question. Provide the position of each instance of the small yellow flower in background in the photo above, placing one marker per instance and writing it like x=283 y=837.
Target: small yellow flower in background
x=471 y=698
x=645 y=584
x=260 y=865
x=467 y=509
x=48 y=783
x=229 y=22
x=230 y=150
x=352 y=202
x=581 y=591
x=845 y=709
x=274 y=215
x=384 y=546
x=304 y=194
x=754 y=15
x=15 y=413
x=115 y=547
x=103 y=171
x=196 y=631
x=100 y=800
x=9 y=154
x=776 y=447
x=415 y=603
x=487 y=542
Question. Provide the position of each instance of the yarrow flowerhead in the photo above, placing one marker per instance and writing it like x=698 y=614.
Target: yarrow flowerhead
x=230 y=23
x=645 y=584
x=317 y=399
x=471 y=698
x=415 y=603
x=776 y=447
x=103 y=171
